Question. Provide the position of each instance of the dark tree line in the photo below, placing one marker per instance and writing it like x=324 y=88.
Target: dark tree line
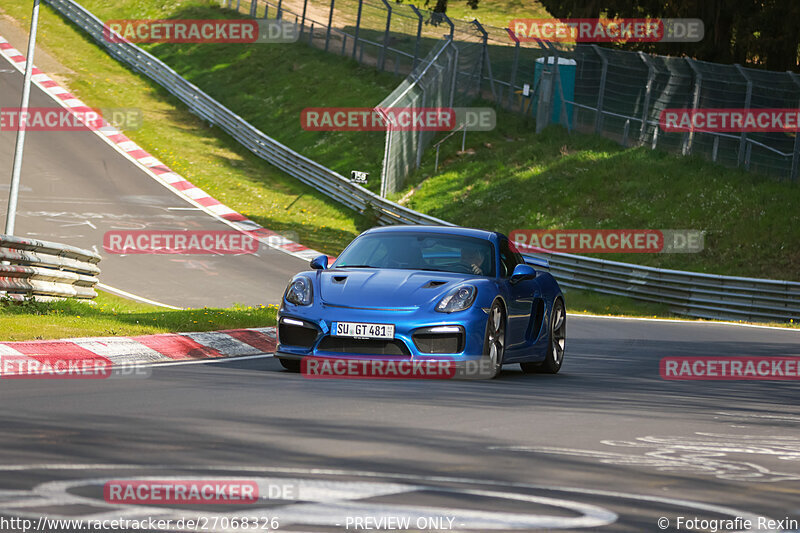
x=759 y=33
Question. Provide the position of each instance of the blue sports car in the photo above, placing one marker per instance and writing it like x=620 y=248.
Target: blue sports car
x=423 y=293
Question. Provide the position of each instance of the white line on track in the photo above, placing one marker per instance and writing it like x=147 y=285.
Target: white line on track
x=682 y=321
x=142 y=299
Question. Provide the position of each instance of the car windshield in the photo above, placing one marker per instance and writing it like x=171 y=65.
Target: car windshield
x=420 y=251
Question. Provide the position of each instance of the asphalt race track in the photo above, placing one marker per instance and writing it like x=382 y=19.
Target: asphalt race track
x=606 y=445
x=75 y=187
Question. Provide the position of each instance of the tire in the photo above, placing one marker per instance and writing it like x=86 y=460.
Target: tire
x=292 y=365
x=556 y=345
x=494 y=344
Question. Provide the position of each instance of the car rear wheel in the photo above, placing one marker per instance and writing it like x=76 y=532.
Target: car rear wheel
x=556 y=346
x=292 y=365
x=494 y=346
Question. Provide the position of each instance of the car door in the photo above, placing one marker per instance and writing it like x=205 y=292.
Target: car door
x=521 y=302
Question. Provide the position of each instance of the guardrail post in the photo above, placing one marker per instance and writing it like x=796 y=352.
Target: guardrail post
x=330 y=23
x=419 y=35
x=382 y=58
x=747 y=99
x=358 y=27
x=688 y=138
x=796 y=151
x=598 y=118
x=651 y=78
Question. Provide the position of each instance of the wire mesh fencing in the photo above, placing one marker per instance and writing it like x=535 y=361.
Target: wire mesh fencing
x=449 y=76
x=611 y=92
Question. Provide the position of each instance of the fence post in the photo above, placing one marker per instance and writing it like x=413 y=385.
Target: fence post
x=796 y=151
x=598 y=118
x=386 y=150
x=562 y=114
x=382 y=58
x=514 y=67
x=238 y=3
x=450 y=23
x=358 y=27
x=419 y=135
x=698 y=83
x=455 y=72
x=330 y=23
x=651 y=77
x=253 y=8
x=747 y=99
x=485 y=60
x=280 y=9
x=303 y=17
x=715 y=149
x=419 y=35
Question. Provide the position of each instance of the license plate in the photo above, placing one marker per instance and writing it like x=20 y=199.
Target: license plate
x=363 y=330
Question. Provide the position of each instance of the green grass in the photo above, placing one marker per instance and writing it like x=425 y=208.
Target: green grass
x=113 y=316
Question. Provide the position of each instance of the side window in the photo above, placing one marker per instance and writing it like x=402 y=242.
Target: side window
x=508 y=258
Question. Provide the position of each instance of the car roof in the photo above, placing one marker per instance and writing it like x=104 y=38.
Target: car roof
x=447 y=230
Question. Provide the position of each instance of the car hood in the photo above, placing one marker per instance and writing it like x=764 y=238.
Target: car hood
x=384 y=288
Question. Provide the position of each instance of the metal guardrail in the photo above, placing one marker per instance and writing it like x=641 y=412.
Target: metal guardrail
x=692 y=294
x=317 y=176
x=46 y=270
x=686 y=293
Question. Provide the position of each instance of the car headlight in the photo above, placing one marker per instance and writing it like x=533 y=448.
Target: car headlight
x=299 y=291
x=457 y=299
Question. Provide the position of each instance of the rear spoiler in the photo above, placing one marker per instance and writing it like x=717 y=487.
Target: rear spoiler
x=537 y=261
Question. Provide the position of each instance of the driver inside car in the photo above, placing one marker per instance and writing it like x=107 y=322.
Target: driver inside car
x=473 y=259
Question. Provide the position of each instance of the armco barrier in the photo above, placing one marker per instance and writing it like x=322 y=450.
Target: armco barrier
x=46 y=270
x=687 y=293
x=317 y=176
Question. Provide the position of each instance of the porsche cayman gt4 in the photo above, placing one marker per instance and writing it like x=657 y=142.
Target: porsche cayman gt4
x=423 y=293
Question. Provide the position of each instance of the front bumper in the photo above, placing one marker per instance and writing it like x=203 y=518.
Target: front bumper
x=418 y=335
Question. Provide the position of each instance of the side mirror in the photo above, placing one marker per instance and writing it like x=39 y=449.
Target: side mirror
x=522 y=272
x=320 y=262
